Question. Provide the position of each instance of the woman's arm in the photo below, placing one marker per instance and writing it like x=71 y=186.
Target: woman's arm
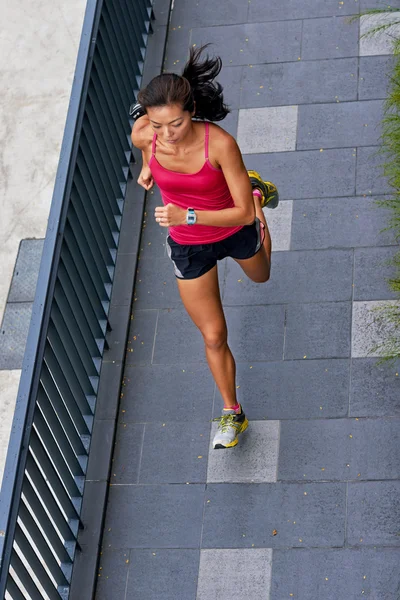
x=227 y=153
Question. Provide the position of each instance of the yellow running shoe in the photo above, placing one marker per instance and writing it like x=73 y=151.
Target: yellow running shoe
x=268 y=190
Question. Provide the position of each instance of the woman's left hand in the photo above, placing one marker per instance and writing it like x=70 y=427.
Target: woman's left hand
x=170 y=215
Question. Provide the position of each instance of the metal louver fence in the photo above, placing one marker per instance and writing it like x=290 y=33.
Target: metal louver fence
x=44 y=475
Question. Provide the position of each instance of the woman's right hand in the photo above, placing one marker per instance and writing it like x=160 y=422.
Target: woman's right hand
x=146 y=178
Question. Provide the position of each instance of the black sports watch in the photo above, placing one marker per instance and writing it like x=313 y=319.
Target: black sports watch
x=136 y=111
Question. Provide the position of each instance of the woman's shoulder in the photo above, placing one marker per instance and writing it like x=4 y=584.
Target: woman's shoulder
x=142 y=133
x=221 y=140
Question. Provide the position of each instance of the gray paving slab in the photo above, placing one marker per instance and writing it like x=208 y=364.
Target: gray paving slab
x=177 y=50
x=253 y=460
x=270 y=129
x=309 y=174
x=178 y=341
x=259 y=10
x=141 y=336
x=297 y=389
x=372 y=270
x=339 y=223
x=300 y=82
x=370 y=329
x=375 y=388
x=159 y=516
x=339 y=449
x=181 y=393
x=345 y=124
x=374 y=76
x=250 y=577
x=335 y=573
x=159 y=573
x=370 y=178
x=381 y=43
x=279 y=223
x=304 y=276
x=127 y=453
x=373 y=513
x=112 y=574
x=320 y=330
x=14 y=334
x=155 y=284
x=230 y=123
x=316 y=508
x=207 y=13
x=329 y=37
x=230 y=78
x=181 y=462
x=26 y=271
x=240 y=45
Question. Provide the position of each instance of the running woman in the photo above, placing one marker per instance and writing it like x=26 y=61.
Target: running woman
x=211 y=205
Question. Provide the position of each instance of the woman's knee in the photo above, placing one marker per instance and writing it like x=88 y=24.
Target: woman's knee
x=215 y=339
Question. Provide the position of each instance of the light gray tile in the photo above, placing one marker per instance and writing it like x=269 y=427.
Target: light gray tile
x=279 y=223
x=270 y=129
x=23 y=284
x=235 y=574
x=381 y=43
x=370 y=327
x=14 y=334
x=253 y=460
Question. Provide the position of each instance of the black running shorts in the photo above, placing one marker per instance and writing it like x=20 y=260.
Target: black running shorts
x=192 y=261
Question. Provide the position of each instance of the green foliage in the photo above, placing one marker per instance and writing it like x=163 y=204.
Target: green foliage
x=389 y=315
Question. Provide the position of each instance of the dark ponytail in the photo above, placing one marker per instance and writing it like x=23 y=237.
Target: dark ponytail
x=194 y=90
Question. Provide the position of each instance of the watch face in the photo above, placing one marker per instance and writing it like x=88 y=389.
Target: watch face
x=191 y=217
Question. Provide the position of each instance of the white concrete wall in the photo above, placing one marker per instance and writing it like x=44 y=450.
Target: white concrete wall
x=38 y=48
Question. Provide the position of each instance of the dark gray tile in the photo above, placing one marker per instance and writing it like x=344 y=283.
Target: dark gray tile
x=300 y=82
x=311 y=174
x=318 y=330
x=128 y=242
x=260 y=10
x=230 y=123
x=112 y=574
x=208 y=13
x=332 y=37
x=26 y=271
x=370 y=178
x=93 y=508
x=156 y=284
x=374 y=75
x=14 y=334
x=182 y=461
x=159 y=516
x=127 y=453
x=375 y=388
x=141 y=337
x=167 y=392
x=346 y=124
x=372 y=270
x=339 y=449
x=339 y=222
x=240 y=44
x=177 y=50
x=373 y=513
x=230 y=79
x=256 y=333
x=292 y=389
x=336 y=573
x=178 y=340
x=156 y=45
x=116 y=338
x=152 y=243
x=166 y=574
x=365 y=4
x=306 y=276
x=161 y=10
x=318 y=510
x=315 y=450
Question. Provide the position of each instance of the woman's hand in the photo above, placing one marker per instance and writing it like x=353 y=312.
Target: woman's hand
x=146 y=178
x=170 y=215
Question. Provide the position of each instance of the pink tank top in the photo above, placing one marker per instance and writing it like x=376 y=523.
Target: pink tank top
x=205 y=190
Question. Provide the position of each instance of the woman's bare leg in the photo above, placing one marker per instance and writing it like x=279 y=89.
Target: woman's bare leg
x=202 y=301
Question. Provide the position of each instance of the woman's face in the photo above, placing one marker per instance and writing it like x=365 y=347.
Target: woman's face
x=171 y=123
